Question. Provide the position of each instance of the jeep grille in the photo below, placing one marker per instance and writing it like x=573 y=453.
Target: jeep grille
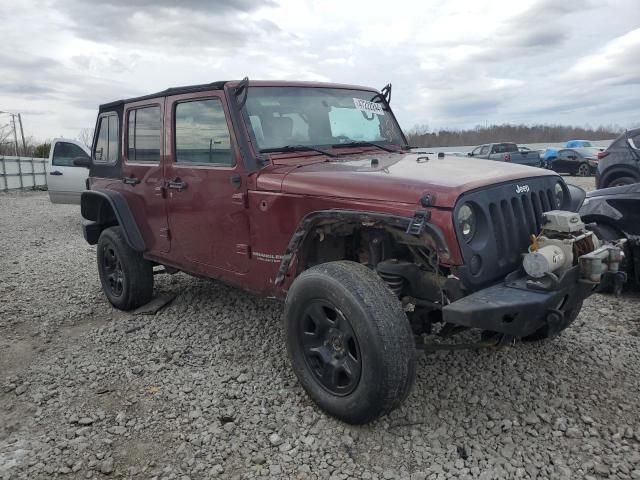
x=507 y=216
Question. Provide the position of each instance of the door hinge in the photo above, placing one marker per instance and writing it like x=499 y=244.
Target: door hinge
x=240 y=198
x=243 y=249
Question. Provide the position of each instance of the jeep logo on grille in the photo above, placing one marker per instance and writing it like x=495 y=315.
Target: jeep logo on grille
x=522 y=188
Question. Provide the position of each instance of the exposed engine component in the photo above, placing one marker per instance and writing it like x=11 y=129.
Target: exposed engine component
x=564 y=243
x=605 y=259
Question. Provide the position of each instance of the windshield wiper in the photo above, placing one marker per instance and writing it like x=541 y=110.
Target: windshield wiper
x=364 y=143
x=298 y=148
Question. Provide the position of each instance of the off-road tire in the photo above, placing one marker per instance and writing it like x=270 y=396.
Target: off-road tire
x=386 y=345
x=544 y=333
x=134 y=286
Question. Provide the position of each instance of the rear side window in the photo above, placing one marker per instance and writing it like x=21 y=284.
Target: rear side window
x=143 y=144
x=202 y=134
x=107 y=142
x=65 y=152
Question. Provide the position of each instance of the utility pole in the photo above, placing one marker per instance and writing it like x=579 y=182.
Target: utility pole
x=15 y=135
x=24 y=145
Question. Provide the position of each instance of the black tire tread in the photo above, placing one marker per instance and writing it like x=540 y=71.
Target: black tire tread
x=394 y=331
x=139 y=272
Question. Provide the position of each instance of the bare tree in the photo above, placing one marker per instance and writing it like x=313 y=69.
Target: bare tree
x=86 y=137
x=7 y=146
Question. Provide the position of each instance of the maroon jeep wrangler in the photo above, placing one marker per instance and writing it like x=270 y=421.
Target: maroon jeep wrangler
x=309 y=193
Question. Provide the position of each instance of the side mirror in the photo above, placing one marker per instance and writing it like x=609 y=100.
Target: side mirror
x=82 y=162
x=631 y=144
x=577 y=196
x=470 y=154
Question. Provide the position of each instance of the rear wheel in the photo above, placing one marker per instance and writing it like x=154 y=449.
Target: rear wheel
x=618 y=182
x=583 y=170
x=349 y=341
x=126 y=277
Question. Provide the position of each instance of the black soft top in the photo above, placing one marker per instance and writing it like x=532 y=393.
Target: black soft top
x=169 y=91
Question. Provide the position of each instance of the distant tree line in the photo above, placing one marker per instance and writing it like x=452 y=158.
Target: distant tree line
x=422 y=136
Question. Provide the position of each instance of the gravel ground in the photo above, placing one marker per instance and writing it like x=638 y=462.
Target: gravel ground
x=203 y=388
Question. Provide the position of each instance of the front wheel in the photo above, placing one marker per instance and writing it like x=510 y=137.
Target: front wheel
x=349 y=341
x=583 y=170
x=126 y=277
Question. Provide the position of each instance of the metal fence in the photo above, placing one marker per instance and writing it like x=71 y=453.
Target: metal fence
x=22 y=172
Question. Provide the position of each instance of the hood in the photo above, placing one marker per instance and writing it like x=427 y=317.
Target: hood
x=398 y=178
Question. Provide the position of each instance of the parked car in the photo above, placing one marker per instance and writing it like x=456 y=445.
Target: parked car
x=582 y=162
x=619 y=164
x=506 y=152
x=65 y=181
x=307 y=192
x=616 y=213
x=578 y=144
x=551 y=153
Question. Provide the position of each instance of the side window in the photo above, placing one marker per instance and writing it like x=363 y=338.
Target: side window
x=484 y=150
x=65 y=152
x=476 y=151
x=143 y=139
x=564 y=154
x=202 y=134
x=107 y=143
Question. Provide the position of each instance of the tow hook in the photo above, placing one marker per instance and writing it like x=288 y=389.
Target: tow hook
x=555 y=319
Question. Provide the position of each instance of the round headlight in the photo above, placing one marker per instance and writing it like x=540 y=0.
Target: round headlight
x=466 y=222
x=559 y=192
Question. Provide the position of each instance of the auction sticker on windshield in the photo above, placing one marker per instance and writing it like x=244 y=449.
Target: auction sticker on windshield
x=369 y=107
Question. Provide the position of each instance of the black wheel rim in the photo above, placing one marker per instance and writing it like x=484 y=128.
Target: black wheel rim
x=330 y=348
x=112 y=269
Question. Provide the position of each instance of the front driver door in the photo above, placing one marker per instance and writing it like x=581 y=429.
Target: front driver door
x=206 y=191
x=65 y=181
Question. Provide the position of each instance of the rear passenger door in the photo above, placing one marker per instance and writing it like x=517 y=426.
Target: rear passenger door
x=142 y=172
x=206 y=187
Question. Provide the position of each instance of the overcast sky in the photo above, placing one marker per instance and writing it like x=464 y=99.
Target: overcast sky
x=452 y=63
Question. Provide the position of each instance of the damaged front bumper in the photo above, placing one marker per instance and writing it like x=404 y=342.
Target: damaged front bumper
x=516 y=307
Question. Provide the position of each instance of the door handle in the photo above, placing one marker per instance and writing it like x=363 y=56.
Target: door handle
x=55 y=172
x=130 y=180
x=177 y=184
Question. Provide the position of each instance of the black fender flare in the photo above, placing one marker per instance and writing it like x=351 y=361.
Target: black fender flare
x=312 y=219
x=92 y=207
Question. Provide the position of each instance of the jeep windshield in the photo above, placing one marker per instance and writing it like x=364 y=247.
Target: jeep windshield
x=297 y=118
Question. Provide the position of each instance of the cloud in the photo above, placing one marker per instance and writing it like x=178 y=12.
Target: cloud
x=617 y=63
x=167 y=24
x=455 y=63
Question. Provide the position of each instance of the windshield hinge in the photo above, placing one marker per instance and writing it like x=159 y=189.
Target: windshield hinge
x=419 y=220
